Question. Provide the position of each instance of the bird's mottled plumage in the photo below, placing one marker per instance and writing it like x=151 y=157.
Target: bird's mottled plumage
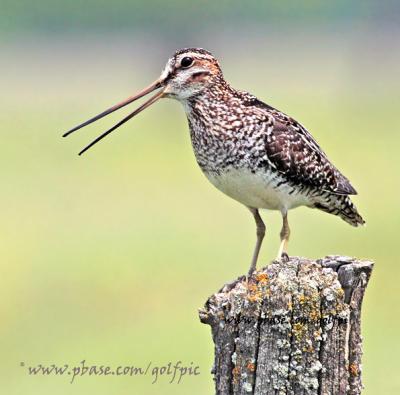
x=233 y=131
x=249 y=150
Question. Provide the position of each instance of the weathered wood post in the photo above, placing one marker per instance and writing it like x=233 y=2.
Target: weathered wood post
x=293 y=328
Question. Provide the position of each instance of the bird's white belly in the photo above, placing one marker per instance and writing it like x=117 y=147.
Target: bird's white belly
x=258 y=190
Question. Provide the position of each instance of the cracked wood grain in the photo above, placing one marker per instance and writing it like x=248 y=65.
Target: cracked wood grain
x=294 y=328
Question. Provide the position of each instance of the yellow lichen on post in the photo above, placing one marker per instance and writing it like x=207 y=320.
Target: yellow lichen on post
x=292 y=328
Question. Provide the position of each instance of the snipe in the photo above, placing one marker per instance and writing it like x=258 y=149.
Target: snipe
x=252 y=152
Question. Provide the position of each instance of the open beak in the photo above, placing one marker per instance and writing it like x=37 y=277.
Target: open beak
x=155 y=85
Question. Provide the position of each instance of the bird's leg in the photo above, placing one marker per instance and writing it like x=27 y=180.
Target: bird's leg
x=285 y=233
x=260 y=236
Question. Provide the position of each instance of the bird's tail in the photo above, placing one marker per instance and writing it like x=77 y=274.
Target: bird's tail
x=342 y=206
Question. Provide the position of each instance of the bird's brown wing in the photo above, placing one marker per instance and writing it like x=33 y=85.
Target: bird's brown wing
x=292 y=151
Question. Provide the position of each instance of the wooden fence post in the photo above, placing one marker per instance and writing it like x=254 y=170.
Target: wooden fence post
x=293 y=328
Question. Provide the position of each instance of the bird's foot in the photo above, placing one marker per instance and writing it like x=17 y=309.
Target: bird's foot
x=282 y=257
x=232 y=284
x=285 y=257
x=251 y=271
x=249 y=277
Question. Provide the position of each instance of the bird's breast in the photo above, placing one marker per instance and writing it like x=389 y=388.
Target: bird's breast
x=260 y=189
x=235 y=160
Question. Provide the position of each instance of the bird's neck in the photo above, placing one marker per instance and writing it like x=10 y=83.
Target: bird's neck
x=212 y=105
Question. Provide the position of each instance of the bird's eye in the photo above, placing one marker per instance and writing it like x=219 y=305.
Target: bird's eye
x=187 y=61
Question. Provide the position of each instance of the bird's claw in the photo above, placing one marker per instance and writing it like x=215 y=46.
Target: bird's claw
x=284 y=257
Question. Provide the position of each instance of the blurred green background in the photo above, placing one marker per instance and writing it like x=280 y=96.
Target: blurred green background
x=107 y=257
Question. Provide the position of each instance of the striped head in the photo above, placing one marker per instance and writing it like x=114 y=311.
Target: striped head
x=189 y=72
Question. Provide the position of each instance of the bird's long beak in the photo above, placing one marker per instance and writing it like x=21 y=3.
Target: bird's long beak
x=155 y=85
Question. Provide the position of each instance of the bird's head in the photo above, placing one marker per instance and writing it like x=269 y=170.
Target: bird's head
x=187 y=74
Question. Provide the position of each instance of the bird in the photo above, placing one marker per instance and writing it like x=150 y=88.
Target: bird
x=249 y=150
